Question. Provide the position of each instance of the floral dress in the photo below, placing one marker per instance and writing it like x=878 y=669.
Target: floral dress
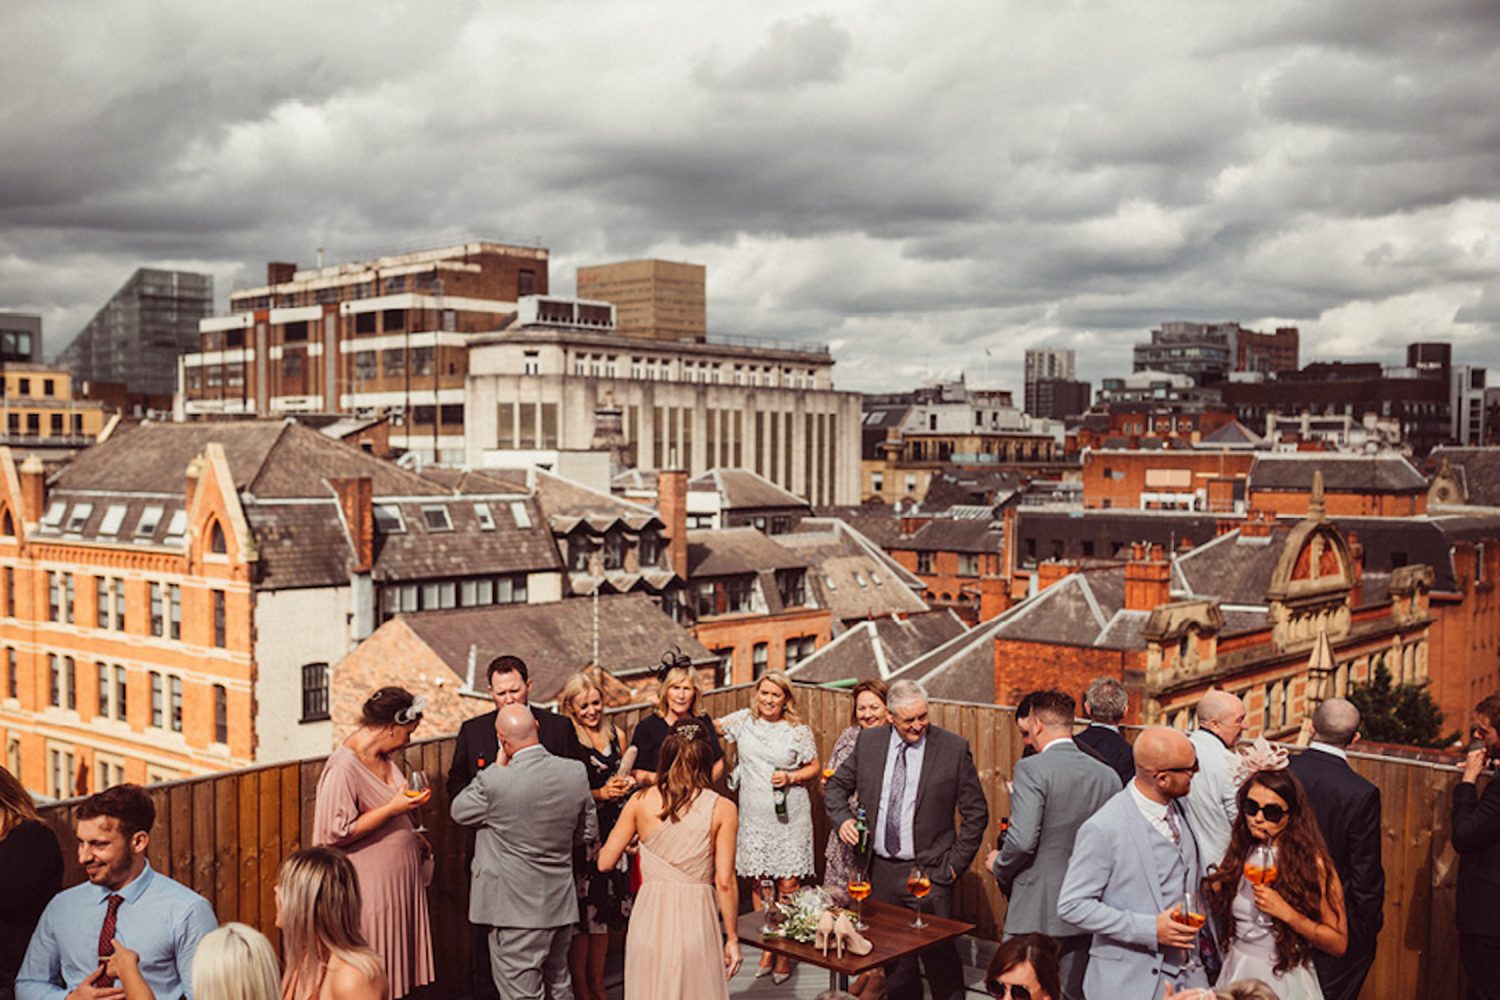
x=603 y=897
x=841 y=863
x=769 y=845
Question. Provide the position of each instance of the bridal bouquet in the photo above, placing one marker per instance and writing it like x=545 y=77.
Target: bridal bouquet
x=800 y=913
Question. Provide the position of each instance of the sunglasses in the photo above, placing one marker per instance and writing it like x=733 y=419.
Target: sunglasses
x=999 y=989
x=1271 y=811
x=1192 y=769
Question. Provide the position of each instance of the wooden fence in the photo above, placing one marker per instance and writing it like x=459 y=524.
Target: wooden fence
x=225 y=836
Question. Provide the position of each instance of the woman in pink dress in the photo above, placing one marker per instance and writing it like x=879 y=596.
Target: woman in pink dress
x=686 y=834
x=364 y=808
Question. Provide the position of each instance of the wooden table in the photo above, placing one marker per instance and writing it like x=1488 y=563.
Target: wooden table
x=890 y=932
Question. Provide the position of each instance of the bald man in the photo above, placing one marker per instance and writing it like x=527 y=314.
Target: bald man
x=1213 y=803
x=1348 y=811
x=531 y=808
x=1131 y=862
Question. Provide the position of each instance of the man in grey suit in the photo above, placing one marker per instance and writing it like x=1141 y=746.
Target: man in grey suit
x=531 y=808
x=1054 y=792
x=1131 y=863
x=912 y=777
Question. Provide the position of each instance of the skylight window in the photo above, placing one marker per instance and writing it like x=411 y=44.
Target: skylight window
x=177 y=527
x=54 y=514
x=437 y=518
x=486 y=519
x=829 y=581
x=114 y=516
x=519 y=512
x=388 y=519
x=859 y=578
x=150 y=519
x=79 y=517
x=876 y=578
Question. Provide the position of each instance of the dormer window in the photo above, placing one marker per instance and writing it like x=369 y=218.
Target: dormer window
x=114 y=516
x=54 y=515
x=388 y=519
x=177 y=526
x=614 y=549
x=580 y=547
x=146 y=527
x=79 y=517
x=436 y=518
x=484 y=517
x=650 y=548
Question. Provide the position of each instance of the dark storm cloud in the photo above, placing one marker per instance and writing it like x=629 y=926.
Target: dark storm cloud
x=930 y=195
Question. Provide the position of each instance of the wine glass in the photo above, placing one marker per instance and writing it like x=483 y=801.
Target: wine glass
x=919 y=885
x=1189 y=912
x=416 y=784
x=1260 y=869
x=768 y=901
x=859 y=889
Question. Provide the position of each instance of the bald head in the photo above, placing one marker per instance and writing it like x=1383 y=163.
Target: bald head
x=1336 y=722
x=1222 y=714
x=516 y=728
x=1165 y=760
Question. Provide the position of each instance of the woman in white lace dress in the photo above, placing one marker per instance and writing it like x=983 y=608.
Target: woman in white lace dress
x=777 y=760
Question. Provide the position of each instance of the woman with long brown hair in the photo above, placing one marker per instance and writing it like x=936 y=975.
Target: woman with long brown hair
x=686 y=833
x=31 y=869
x=1273 y=910
x=318 y=911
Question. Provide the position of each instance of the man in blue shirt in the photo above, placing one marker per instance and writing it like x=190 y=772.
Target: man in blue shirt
x=123 y=901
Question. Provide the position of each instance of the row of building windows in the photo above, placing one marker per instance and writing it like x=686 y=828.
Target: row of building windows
x=666 y=370
x=109 y=603
x=472 y=592
x=58 y=424
x=113 y=693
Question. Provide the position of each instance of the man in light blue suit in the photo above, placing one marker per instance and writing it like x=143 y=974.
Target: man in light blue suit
x=1131 y=863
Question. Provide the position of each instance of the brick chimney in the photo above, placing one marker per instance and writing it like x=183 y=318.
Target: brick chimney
x=1258 y=524
x=671 y=504
x=279 y=272
x=1051 y=571
x=359 y=514
x=1148 y=579
x=33 y=489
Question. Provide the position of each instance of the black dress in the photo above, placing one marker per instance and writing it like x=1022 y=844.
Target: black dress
x=603 y=897
x=652 y=732
x=31 y=869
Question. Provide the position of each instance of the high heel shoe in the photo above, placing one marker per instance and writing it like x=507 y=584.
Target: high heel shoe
x=848 y=937
x=823 y=936
x=767 y=963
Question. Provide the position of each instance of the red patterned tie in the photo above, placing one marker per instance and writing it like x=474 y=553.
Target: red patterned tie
x=107 y=938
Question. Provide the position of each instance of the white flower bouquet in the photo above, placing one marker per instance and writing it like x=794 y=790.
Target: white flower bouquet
x=800 y=913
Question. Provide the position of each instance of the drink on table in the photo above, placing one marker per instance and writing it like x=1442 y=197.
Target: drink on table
x=919 y=885
x=859 y=891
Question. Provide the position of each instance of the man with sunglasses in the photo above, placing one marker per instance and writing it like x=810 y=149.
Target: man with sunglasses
x=1213 y=803
x=1347 y=808
x=1132 y=862
x=1476 y=838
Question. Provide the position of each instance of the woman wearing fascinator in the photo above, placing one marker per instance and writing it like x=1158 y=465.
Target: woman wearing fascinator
x=677 y=701
x=1276 y=897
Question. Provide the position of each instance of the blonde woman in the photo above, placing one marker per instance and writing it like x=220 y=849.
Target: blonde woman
x=603 y=897
x=31 y=868
x=677 y=701
x=318 y=911
x=777 y=760
x=235 y=962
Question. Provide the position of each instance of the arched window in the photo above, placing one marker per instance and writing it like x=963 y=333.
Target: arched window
x=216 y=539
x=7 y=524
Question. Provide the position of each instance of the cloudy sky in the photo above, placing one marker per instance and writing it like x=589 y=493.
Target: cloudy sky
x=931 y=188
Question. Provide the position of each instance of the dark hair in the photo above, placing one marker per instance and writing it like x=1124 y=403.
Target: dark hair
x=1053 y=708
x=875 y=686
x=684 y=767
x=1490 y=709
x=1037 y=949
x=382 y=707
x=506 y=665
x=127 y=804
x=1024 y=706
x=1300 y=854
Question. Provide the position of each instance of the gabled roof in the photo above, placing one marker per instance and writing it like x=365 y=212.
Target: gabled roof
x=492 y=481
x=1386 y=472
x=556 y=639
x=1232 y=568
x=878 y=648
x=942 y=534
x=565 y=502
x=466 y=547
x=850 y=575
x=736 y=551
x=876 y=521
x=1232 y=435
x=741 y=489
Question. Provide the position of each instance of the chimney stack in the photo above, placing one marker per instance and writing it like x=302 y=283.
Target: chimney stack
x=1051 y=571
x=1148 y=579
x=33 y=489
x=671 y=504
x=359 y=514
x=279 y=272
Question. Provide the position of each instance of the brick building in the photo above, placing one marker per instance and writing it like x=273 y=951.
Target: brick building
x=1383 y=484
x=1166 y=479
x=959 y=561
x=173 y=597
x=653 y=299
x=40 y=414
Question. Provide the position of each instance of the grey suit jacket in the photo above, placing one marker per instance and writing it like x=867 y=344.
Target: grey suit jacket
x=1055 y=792
x=1112 y=891
x=530 y=813
x=948 y=783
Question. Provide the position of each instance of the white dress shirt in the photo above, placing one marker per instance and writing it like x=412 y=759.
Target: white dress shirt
x=1155 y=812
x=907 y=807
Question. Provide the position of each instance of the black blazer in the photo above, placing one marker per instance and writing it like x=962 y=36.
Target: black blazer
x=949 y=783
x=1110 y=747
x=1348 y=812
x=1476 y=838
x=477 y=745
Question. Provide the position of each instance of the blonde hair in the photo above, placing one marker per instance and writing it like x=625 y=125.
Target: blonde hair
x=1246 y=989
x=16 y=805
x=673 y=677
x=579 y=684
x=320 y=918
x=781 y=680
x=236 y=962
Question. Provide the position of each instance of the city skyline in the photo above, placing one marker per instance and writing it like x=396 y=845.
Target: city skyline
x=1004 y=177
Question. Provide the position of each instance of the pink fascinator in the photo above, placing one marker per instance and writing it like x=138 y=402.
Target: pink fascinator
x=1259 y=756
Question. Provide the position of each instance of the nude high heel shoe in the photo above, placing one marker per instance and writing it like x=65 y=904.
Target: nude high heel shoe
x=848 y=937
x=824 y=935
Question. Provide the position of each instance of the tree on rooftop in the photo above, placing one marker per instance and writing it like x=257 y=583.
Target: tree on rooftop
x=1398 y=713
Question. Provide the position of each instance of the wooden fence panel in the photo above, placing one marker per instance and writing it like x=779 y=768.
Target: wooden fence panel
x=226 y=850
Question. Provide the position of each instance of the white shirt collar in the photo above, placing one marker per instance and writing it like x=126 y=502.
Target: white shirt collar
x=1328 y=748
x=1105 y=725
x=1060 y=739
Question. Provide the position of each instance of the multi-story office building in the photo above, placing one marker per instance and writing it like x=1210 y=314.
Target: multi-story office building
x=1468 y=402
x=383 y=336
x=136 y=338
x=656 y=299
x=1208 y=352
x=39 y=413
x=1048 y=363
x=1057 y=399
x=20 y=337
